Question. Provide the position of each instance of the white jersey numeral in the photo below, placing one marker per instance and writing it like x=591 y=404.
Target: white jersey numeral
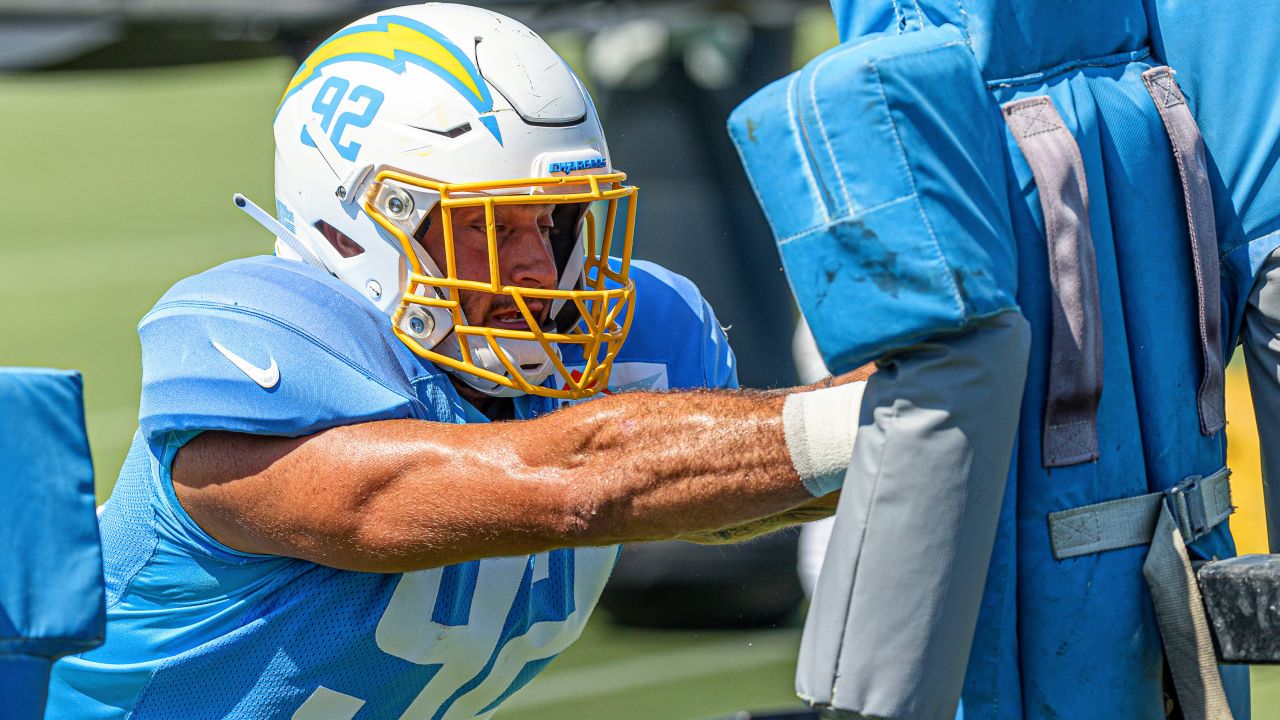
x=326 y=704
x=474 y=670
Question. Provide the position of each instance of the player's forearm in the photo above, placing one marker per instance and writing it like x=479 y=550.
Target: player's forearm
x=657 y=466
x=640 y=466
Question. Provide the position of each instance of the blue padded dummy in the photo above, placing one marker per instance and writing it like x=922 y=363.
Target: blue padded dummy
x=895 y=248
x=1056 y=637
x=51 y=601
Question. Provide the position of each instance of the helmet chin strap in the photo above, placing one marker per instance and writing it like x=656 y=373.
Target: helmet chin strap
x=527 y=355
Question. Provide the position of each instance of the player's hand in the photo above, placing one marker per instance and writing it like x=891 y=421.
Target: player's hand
x=858 y=374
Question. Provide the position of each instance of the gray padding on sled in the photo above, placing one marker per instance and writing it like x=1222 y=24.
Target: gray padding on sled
x=893 y=615
x=1188 y=151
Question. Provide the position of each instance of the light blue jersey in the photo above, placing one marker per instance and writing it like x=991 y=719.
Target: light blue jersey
x=198 y=630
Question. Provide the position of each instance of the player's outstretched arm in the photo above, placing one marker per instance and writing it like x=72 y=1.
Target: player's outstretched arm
x=400 y=495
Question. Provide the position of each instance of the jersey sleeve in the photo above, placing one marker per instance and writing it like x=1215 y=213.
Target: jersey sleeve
x=675 y=325
x=719 y=365
x=270 y=347
x=262 y=346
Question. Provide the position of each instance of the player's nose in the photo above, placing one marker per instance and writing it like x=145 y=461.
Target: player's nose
x=528 y=260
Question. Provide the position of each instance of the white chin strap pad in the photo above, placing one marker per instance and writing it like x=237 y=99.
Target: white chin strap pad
x=820 y=428
x=527 y=355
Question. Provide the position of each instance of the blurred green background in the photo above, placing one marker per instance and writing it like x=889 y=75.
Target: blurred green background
x=119 y=183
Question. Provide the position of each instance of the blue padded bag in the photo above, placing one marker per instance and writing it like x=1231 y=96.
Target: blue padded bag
x=911 y=243
x=51 y=596
x=1072 y=637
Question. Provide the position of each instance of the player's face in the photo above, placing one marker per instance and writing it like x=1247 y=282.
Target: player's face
x=524 y=259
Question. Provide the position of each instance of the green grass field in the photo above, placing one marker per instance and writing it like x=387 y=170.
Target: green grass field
x=119 y=184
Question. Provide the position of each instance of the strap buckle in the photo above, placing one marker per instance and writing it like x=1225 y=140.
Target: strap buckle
x=1186 y=503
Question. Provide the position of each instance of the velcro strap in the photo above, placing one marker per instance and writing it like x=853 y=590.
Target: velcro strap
x=1075 y=369
x=1188 y=151
x=1197 y=506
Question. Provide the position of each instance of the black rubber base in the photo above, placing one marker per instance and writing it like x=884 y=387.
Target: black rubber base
x=1242 y=598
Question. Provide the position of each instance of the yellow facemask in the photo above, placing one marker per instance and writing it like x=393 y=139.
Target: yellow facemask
x=605 y=312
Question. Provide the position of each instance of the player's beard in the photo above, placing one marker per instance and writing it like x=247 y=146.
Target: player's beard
x=477 y=305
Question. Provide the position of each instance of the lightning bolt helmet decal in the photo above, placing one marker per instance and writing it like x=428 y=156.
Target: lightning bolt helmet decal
x=393 y=42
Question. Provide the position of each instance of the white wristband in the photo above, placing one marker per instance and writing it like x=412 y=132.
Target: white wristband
x=820 y=428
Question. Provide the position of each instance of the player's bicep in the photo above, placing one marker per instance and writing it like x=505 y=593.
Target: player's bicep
x=261 y=494
x=385 y=496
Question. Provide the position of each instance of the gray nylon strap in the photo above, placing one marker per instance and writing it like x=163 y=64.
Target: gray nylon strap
x=1132 y=521
x=1075 y=370
x=1168 y=521
x=1184 y=630
x=1105 y=526
x=1188 y=151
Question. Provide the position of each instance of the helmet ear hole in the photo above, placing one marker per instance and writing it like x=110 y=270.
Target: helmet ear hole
x=421 y=233
x=342 y=242
x=566 y=220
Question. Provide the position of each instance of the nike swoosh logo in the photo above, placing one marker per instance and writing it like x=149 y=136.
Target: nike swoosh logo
x=265 y=377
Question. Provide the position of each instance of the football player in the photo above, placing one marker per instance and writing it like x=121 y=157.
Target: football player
x=318 y=517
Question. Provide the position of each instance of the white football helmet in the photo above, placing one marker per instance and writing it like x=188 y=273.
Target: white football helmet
x=456 y=106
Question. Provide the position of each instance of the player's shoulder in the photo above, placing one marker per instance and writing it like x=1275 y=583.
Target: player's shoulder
x=675 y=340
x=668 y=305
x=270 y=346
x=267 y=285
x=290 y=301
